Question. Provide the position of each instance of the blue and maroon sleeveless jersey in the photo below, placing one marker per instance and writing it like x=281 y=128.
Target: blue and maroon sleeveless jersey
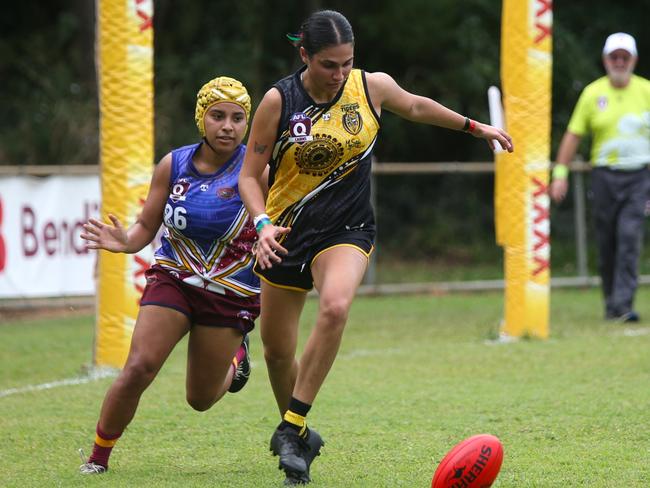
x=208 y=233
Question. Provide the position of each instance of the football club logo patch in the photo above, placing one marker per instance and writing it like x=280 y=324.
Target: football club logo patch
x=318 y=157
x=352 y=121
x=300 y=128
x=602 y=103
x=179 y=190
x=226 y=193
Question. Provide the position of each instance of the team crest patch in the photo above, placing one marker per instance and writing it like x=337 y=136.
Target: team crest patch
x=317 y=157
x=352 y=121
x=225 y=193
x=300 y=128
x=602 y=103
x=179 y=190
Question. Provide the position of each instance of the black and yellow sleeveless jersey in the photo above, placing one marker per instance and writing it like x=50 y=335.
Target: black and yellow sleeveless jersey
x=321 y=163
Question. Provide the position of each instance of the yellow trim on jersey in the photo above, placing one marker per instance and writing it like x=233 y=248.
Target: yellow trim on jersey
x=233 y=286
x=168 y=263
x=185 y=258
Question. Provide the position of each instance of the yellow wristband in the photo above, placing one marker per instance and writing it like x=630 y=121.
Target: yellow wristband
x=560 y=172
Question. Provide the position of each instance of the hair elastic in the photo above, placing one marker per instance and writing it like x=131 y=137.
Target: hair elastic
x=295 y=38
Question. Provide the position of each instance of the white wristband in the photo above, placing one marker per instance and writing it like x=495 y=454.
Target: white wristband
x=257 y=219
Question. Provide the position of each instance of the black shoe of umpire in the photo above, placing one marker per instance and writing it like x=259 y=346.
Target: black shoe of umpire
x=624 y=318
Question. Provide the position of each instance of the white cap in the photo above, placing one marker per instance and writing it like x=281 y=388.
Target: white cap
x=620 y=40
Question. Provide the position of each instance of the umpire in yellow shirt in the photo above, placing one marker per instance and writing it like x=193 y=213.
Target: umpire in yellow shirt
x=615 y=111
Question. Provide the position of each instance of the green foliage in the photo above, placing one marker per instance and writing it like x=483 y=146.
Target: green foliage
x=445 y=49
x=419 y=216
x=50 y=113
x=578 y=38
x=414 y=376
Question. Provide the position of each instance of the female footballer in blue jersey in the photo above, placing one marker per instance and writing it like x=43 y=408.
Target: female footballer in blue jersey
x=316 y=129
x=202 y=283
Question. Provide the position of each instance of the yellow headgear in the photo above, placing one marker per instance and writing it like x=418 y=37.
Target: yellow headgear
x=221 y=89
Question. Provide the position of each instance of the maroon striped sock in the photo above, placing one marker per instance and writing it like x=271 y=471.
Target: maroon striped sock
x=103 y=446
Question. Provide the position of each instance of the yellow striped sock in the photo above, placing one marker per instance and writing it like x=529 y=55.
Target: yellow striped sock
x=297 y=420
x=100 y=441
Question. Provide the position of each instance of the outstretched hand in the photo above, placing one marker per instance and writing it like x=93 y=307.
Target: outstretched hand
x=100 y=235
x=267 y=249
x=493 y=135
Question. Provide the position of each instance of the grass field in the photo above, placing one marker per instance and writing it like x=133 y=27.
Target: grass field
x=414 y=376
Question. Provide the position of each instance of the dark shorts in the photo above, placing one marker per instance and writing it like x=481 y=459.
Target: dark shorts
x=201 y=306
x=298 y=277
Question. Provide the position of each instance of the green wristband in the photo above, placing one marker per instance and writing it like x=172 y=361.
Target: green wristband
x=560 y=172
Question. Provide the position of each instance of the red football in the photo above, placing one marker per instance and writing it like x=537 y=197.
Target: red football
x=472 y=463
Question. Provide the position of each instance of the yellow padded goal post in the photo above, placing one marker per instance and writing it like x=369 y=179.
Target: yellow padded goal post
x=521 y=199
x=125 y=75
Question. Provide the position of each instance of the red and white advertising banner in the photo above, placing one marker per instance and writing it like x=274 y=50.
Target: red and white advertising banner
x=41 y=251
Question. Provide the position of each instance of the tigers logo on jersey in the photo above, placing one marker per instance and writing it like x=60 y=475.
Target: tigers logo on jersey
x=352 y=121
x=179 y=190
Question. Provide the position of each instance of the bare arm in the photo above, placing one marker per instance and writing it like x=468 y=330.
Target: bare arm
x=258 y=152
x=264 y=181
x=253 y=178
x=568 y=147
x=565 y=154
x=386 y=93
x=114 y=238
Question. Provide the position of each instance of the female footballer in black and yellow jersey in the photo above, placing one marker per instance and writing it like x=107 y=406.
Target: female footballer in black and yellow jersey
x=316 y=130
x=320 y=175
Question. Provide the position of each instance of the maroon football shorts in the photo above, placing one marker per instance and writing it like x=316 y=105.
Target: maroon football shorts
x=201 y=306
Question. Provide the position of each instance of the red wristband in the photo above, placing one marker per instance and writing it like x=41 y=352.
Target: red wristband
x=469 y=126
